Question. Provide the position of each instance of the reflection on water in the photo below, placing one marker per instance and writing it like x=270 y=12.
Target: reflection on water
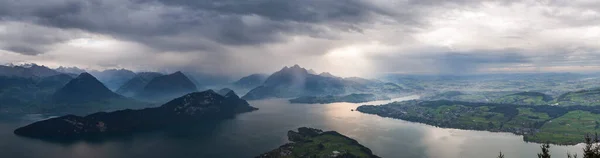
x=253 y=133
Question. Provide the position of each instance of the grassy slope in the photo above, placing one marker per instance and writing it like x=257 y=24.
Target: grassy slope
x=584 y=97
x=569 y=128
x=330 y=143
x=521 y=100
x=526 y=118
x=309 y=142
x=536 y=125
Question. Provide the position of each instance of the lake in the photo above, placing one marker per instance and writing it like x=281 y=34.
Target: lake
x=251 y=134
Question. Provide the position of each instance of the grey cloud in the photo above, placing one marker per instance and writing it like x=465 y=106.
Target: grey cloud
x=448 y=62
x=573 y=13
x=456 y=62
x=580 y=56
x=482 y=57
x=31 y=39
x=24 y=50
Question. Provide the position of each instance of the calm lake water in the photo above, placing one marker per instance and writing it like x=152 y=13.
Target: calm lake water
x=251 y=134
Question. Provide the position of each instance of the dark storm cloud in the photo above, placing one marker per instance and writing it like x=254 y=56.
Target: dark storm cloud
x=312 y=11
x=213 y=25
x=186 y=25
x=208 y=35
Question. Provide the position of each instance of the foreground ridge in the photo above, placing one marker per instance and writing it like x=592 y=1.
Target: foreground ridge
x=197 y=107
x=310 y=142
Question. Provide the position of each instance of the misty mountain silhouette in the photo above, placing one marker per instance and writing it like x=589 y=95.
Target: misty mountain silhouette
x=84 y=88
x=251 y=81
x=113 y=78
x=167 y=87
x=224 y=91
x=137 y=83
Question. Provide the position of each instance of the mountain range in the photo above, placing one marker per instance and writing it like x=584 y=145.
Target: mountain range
x=70 y=70
x=85 y=94
x=111 y=78
x=27 y=71
x=32 y=88
x=296 y=81
x=57 y=89
x=58 y=94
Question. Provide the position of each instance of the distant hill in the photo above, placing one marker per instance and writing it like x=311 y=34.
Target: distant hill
x=113 y=78
x=351 y=98
x=191 y=109
x=296 y=81
x=525 y=98
x=251 y=81
x=589 y=97
x=480 y=97
x=167 y=87
x=137 y=83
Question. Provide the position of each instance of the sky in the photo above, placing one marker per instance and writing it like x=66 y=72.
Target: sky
x=344 y=37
